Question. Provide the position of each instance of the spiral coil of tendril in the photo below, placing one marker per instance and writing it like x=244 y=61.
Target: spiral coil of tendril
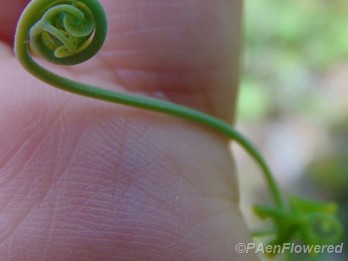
x=64 y=32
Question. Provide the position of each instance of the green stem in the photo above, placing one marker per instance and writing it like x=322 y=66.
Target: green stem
x=22 y=52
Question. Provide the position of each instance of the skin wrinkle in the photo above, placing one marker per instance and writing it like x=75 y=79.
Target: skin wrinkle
x=120 y=159
x=160 y=204
x=43 y=136
x=17 y=173
x=196 y=228
x=53 y=220
x=9 y=248
x=86 y=202
x=218 y=242
x=196 y=252
x=148 y=166
x=188 y=234
x=61 y=162
x=191 y=230
x=50 y=124
x=67 y=166
x=174 y=163
x=228 y=178
x=89 y=202
x=33 y=124
x=13 y=152
x=16 y=223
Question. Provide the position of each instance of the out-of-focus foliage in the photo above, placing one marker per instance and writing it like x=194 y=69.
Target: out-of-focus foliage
x=330 y=171
x=314 y=29
x=286 y=42
x=293 y=99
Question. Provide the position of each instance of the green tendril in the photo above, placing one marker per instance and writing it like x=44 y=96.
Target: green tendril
x=68 y=32
x=64 y=32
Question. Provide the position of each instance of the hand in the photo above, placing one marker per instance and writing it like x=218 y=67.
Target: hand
x=82 y=179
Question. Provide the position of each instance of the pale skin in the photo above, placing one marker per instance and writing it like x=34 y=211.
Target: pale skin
x=82 y=179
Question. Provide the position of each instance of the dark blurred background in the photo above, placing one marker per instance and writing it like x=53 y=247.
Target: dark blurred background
x=293 y=101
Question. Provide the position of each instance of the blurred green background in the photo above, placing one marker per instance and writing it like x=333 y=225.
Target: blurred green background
x=293 y=101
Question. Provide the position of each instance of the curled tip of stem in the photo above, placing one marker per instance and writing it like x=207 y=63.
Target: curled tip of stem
x=63 y=32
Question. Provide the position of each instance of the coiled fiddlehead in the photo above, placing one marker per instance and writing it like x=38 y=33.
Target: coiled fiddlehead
x=69 y=32
x=65 y=32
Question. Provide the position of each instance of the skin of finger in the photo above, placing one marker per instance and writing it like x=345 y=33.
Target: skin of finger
x=184 y=51
x=85 y=180
x=9 y=14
